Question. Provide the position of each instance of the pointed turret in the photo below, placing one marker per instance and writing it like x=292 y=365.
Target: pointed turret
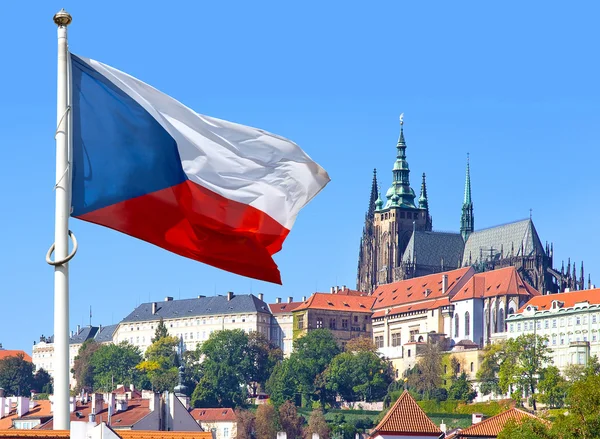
x=379 y=201
x=467 y=221
x=582 y=279
x=400 y=194
x=423 y=203
x=373 y=197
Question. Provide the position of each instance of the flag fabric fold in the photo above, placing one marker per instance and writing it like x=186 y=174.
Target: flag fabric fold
x=211 y=190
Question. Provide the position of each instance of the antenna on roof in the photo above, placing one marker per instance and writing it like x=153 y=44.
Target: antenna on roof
x=530 y=213
x=90 y=316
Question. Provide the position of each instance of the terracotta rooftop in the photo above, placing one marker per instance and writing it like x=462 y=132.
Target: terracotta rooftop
x=124 y=434
x=338 y=302
x=137 y=409
x=490 y=428
x=501 y=282
x=412 y=307
x=280 y=308
x=406 y=417
x=5 y=353
x=214 y=415
x=46 y=434
x=420 y=288
x=568 y=300
x=42 y=410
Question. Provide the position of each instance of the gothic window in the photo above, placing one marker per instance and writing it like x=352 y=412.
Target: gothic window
x=467 y=324
x=456 y=326
x=501 y=320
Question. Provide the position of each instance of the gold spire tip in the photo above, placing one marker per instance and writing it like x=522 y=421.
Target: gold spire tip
x=62 y=18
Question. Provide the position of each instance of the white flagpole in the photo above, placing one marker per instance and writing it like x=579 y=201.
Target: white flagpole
x=61 y=231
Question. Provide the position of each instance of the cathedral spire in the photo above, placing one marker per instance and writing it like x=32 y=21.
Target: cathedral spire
x=400 y=194
x=467 y=221
x=373 y=197
x=423 y=203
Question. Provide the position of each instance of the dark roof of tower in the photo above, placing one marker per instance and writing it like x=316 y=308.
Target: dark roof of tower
x=170 y=309
x=430 y=248
x=503 y=238
x=105 y=333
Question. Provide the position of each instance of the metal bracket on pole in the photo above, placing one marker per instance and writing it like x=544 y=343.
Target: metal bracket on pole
x=64 y=260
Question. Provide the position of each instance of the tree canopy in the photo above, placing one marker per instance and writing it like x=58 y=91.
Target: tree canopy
x=16 y=375
x=82 y=370
x=115 y=364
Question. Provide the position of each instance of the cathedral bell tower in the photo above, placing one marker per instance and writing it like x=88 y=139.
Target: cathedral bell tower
x=467 y=221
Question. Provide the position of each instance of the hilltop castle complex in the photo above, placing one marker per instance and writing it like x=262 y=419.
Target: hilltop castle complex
x=398 y=241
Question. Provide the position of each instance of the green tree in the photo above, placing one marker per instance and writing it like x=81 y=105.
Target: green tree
x=553 y=388
x=289 y=420
x=266 y=422
x=361 y=344
x=525 y=361
x=264 y=355
x=16 y=375
x=361 y=375
x=426 y=375
x=461 y=389
x=317 y=424
x=526 y=429
x=583 y=418
x=312 y=354
x=161 y=331
x=282 y=385
x=225 y=370
x=42 y=382
x=82 y=370
x=161 y=364
x=488 y=373
x=115 y=364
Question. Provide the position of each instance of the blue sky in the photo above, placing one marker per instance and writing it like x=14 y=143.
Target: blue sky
x=515 y=84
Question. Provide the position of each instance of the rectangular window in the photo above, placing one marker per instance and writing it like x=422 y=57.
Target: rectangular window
x=539 y=324
x=554 y=323
x=594 y=337
x=225 y=431
x=518 y=327
x=546 y=324
x=332 y=324
x=562 y=322
x=578 y=320
x=593 y=318
x=562 y=340
x=570 y=321
x=344 y=323
x=585 y=320
x=396 y=339
x=319 y=323
x=355 y=319
x=512 y=327
x=300 y=322
x=379 y=341
x=413 y=334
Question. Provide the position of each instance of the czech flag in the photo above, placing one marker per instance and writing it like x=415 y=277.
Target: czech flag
x=207 y=189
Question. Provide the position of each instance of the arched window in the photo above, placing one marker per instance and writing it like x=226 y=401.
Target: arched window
x=456 y=326
x=467 y=324
x=472 y=366
x=501 y=320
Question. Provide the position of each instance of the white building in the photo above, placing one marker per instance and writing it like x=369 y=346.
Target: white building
x=193 y=320
x=282 y=323
x=221 y=422
x=570 y=321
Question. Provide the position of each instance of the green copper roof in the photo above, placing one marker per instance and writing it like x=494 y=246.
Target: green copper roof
x=379 y=201
x=400 y=194
x=423 y=203
x=468 y=184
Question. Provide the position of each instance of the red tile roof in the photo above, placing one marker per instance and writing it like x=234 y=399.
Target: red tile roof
x=406 y=417
x=349 y=292
x=214 y=415
x=501 y=282
x=568 y=300
x=416 y=289
x=338 y=302
x=5 y=353
x=52 y=434
x=43 y=409
x=286 y=307
x=137 y=409
x=141 y=434
x=490 y=428
x=412 y=307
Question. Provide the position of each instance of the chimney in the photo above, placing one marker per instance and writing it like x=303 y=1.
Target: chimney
x=97 y=403
x=72 y=404
x=290 y=299
x=444 y=283
x=1 y=392
x=2 y=405
x=1 y=348
x=154 y=402
x=201 y=296
x=476 y=418
x=154 y=306
x=168 y=299
x=304 y=298
x=122 y=404
x=332 y=290
x=344 y=288
x=567 y=290
x=111 y=405
x=443 y=427
x=78 y=329
x=261 y=296
x=278 y=300
x=92 y=418
x=131 y=387
x=337 y=289
x=229 y=295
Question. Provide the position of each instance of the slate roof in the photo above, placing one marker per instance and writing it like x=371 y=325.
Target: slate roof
x=84 y=334
x=406 y=417
x=202 y=306
x=105 y=333
x=490 y=428
x=502 y=238
x=501 y=282
x=429 y=248
x=415 y=289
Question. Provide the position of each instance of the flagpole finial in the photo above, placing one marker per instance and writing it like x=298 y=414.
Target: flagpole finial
x=62 y=18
